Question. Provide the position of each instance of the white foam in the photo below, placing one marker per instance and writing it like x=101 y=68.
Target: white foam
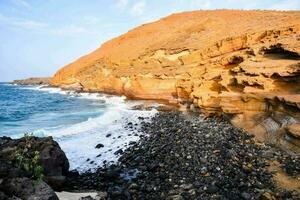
x=109 y=99
x=79 y=140
x=8 y=84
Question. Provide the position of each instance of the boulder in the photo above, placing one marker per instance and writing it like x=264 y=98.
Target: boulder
x=26 y=188
x=52 y=159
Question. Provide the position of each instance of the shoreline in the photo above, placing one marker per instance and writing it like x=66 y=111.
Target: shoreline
x=160 y=134
x=149 y=168
x=288 y=142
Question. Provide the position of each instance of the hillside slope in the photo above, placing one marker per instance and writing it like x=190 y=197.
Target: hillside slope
x=242 y=63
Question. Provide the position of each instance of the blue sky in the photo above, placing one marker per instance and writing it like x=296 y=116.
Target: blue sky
x=37 y=37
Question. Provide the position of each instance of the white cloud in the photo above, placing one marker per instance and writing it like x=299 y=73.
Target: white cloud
x=71 y=30
x=31 y=25
x=22 y=23
x=138 y=8
x=21 y=3
x=121 y=4
x=286 y=5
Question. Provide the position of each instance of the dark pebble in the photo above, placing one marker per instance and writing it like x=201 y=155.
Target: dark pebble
x=98 y=146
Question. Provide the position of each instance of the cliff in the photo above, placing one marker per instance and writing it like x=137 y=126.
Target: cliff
x=245 y=64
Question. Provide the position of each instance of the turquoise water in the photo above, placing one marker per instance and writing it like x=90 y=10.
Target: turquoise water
x=78 y=122
x=26 y=109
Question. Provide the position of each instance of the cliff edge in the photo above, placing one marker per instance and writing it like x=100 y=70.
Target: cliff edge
x=245 y=64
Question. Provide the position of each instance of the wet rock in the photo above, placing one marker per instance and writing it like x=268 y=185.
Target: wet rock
x=120 y=151
x=98 y=146
x=132 y=143
x=87 y=198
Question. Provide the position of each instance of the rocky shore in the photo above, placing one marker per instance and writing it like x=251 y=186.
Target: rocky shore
x=179 y=156
x=189 y=157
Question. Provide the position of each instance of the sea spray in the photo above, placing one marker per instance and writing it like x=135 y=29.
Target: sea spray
x=78 y=122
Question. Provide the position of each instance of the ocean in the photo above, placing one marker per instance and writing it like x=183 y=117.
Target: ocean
x=77 y=121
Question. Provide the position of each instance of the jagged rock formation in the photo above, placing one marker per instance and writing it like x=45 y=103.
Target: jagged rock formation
x=242 y=63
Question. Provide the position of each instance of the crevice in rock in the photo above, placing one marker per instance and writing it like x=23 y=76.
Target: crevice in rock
x=235 y=86
x=278 y=52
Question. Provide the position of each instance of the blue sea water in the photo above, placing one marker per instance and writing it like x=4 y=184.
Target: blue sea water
x=78 y=122
x=26 y=109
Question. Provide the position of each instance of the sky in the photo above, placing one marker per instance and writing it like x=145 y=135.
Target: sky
x=37 y=37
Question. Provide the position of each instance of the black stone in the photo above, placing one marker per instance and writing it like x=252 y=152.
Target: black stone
x=98 y=146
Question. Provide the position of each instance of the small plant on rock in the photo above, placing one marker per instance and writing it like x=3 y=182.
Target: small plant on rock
x=28 y=160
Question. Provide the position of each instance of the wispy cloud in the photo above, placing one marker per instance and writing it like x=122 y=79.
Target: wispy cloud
x=30 y=24
x=122 y=4
x=22 y=23
x=37 y=26
x=21 y=3
x=138 y=8
x=71 y=30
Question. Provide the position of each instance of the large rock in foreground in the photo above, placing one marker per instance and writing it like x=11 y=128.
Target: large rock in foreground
x=242 y=63
x=25 y=188
x=16 y=175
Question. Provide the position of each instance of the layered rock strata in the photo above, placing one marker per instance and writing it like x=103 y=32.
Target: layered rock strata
x=245 y=64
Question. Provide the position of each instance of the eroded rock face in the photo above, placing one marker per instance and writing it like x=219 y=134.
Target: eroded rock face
x=245 y=64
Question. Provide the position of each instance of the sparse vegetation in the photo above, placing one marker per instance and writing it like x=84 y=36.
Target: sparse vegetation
x=28 y=160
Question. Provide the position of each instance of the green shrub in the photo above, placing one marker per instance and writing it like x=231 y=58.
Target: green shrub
x=29 y=160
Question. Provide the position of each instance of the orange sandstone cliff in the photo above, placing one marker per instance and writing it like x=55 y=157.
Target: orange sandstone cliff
x=245 y=64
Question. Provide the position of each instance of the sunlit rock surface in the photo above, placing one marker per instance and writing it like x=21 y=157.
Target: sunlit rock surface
x=245 y=64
